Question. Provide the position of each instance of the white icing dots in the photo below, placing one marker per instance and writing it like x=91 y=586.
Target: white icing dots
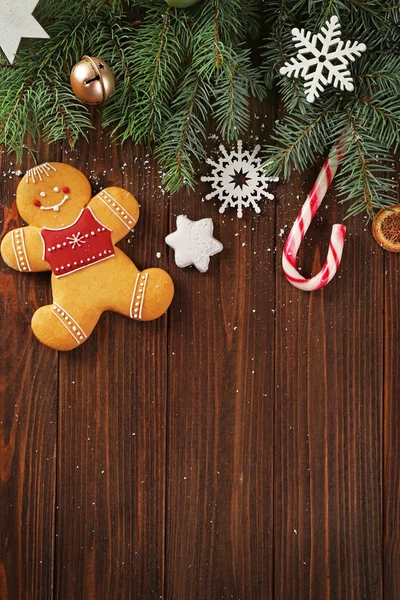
x=56 y=189
x=18 y=243
x=69 y=323
x=117 y=209
x=42 y=194
x=139 y=289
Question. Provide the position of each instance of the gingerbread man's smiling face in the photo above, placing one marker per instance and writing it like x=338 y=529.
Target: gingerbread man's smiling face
x=52 y=195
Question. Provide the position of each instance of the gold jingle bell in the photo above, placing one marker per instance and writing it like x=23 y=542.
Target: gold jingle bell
x=92 y=80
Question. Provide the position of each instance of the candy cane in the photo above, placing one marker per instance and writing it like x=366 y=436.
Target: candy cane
x=301 y=225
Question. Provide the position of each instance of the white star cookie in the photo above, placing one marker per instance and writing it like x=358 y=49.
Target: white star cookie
x=193 y=243
x=16 y=22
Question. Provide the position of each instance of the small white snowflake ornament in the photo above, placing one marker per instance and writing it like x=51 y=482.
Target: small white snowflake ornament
x=193 y=243
x=16 y=22
x=238 y=180
x=322 y=59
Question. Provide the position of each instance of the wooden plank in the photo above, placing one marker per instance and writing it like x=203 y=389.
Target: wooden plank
x=220 y=409
x=28 y=419
x=391 y=411
x=328 y=425
x=111 y=467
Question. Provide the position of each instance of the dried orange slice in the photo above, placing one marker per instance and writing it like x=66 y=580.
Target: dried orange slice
x=386 y=228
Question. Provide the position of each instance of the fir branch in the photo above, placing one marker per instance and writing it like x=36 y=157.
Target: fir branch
x=177 y=68
x=182 y=142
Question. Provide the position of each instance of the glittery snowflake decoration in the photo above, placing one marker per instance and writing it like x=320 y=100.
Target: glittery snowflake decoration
x=238 y=180
x=322 y=59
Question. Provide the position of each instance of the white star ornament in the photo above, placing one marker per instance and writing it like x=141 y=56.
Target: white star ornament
x=193 y=243
x=16 y=22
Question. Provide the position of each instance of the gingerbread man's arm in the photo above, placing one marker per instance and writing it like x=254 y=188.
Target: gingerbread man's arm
x=22 y=250
x=116 y=209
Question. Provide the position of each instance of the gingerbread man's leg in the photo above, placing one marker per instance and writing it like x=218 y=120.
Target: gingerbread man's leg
x=144 y=295
x=64 y=327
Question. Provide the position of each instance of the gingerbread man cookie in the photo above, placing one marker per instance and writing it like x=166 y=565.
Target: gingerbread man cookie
x=74 y=236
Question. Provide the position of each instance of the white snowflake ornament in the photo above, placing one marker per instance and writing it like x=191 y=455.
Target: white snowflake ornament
x=322 y=59
x=193 y=243
x=16 y=22
x=238 y=180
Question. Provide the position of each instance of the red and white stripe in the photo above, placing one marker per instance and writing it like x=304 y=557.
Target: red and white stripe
x=300 y=227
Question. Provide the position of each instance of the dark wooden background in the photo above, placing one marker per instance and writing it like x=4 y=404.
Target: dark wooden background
x=245 y=446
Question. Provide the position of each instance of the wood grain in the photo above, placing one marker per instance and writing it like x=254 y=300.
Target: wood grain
x=391 y=412
x=220 y=412
x=111 y=466
x=328 y=425
x=245 y=446
x=28 y=421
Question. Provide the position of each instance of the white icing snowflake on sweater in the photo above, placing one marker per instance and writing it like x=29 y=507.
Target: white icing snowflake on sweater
x=76 y=240
x=322 y=59
x=238 y=179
